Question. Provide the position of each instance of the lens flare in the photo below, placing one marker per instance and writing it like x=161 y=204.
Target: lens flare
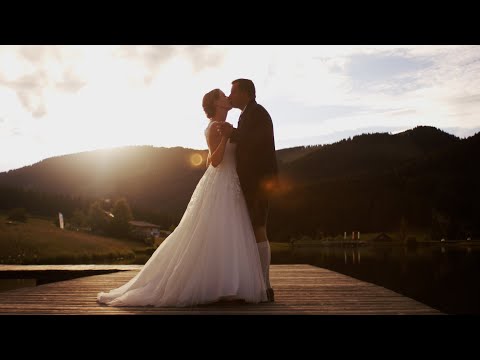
x=196 y=159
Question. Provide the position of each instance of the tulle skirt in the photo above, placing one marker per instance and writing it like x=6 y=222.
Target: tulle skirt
x=211 y=255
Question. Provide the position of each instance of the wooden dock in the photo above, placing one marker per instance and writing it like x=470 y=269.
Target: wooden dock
x=299 y=289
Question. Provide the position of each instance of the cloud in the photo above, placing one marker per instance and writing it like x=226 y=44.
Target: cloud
x=291 y=112
x=38 y=68
x=151 y=57
x=52 y=65
x=402 y=112
x=313 y=93
x=29 y=91
x=38 y=54
x=469 y=99
x=378 y=67
x=70 y=82
x=203 y=57
x=392 y=73
x=33 y=103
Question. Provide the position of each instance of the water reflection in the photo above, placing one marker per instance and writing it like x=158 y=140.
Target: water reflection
x=356 y=257
x=442 y=276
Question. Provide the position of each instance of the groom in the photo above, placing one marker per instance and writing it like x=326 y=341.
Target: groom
x=256 y=163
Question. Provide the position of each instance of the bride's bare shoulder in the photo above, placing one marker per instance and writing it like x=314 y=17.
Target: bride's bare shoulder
x=209 y=126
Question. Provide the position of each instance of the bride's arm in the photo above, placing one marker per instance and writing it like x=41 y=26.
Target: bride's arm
x=209 y=155
x=216 y=147
x=217 y=155
x=208 y=159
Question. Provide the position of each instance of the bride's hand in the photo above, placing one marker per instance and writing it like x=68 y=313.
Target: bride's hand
x=225 y=129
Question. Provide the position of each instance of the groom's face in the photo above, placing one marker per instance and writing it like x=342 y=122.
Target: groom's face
x=238 y=98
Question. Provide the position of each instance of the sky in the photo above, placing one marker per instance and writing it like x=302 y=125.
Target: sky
x=57 y=100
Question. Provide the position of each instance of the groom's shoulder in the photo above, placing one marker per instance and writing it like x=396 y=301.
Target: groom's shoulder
x=260 y=110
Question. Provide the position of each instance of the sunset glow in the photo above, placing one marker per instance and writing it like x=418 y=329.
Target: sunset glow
x=65 y=99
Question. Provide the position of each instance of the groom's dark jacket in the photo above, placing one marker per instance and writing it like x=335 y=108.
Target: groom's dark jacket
x=255 y=153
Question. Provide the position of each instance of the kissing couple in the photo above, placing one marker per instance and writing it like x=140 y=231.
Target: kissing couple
x=219 y=251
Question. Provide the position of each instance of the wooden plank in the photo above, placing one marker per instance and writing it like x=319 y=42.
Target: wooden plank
x=68 y=267
x=299 y=289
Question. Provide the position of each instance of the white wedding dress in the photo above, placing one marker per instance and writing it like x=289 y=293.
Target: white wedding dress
x=210 y=256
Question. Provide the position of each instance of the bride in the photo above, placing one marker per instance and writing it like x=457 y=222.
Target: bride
x=212 y=254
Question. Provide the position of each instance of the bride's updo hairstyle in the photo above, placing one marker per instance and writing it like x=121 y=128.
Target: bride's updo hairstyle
x=208 y=102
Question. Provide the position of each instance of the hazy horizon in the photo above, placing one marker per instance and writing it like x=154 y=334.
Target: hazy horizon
x=462 y=136
x=60 y=100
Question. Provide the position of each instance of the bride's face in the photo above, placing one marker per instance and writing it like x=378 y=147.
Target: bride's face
x=223 y=101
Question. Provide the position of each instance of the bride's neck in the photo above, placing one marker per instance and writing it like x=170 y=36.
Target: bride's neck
x=220 y=115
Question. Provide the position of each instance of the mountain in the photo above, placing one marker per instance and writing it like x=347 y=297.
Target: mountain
x=158 y=178
x=147 y=176
x=423 y=177
x=370 y=182
x=368 y=153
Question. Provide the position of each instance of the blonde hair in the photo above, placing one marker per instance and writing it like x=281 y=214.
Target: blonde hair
x=208 y=102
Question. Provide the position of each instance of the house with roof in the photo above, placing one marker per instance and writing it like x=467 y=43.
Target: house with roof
x=143 y=230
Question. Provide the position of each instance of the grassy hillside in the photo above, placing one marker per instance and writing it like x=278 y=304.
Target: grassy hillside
x=39 y=241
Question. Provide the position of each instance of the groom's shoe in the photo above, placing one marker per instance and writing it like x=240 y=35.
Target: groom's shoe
x=270 y=295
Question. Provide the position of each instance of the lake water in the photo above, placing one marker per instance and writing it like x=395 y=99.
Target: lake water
x=443 y=277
